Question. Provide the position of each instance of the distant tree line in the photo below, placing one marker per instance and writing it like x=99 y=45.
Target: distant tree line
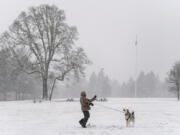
x=15 y=84
x=148 y=85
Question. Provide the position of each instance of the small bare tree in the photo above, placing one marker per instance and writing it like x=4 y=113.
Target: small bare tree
x=74 y=61
x=46 y=41
x=174 y=78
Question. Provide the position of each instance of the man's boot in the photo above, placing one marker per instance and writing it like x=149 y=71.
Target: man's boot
x=81 y=122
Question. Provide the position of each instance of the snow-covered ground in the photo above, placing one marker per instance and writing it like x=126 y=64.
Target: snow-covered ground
x=153 y=117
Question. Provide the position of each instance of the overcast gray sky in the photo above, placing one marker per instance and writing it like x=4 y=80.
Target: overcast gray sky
x=107 y=31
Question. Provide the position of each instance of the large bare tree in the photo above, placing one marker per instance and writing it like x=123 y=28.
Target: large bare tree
x=174 y=78
x=47 y=42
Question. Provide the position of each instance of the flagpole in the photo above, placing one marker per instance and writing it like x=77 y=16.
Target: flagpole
x=136 y=68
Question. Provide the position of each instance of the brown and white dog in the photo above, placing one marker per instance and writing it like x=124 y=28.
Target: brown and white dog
x=129 y=117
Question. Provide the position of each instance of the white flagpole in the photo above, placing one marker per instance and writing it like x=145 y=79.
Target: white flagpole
x=136 y=68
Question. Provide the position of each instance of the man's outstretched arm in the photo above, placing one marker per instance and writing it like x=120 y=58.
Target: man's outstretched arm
x=94 y=98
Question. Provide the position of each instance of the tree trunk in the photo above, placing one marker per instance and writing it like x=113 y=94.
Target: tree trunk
x=52 y=90
x=5 y=96
x=45 y=89
x=45 y=82
x=16 y=94
x=178 y=91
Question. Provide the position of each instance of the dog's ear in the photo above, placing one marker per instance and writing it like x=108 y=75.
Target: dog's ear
x=132 y=112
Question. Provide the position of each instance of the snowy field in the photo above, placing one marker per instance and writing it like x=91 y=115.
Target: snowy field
x=153 y=117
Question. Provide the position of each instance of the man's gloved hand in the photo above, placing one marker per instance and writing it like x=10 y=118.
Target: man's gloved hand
x=91 y=104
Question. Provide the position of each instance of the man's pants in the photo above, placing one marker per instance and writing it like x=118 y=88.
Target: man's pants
x=86 y=117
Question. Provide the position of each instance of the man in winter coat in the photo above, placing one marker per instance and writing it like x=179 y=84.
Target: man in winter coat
x=85 y=107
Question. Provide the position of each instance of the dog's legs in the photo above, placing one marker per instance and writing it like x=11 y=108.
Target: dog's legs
x=133 y=122
x=126 y=123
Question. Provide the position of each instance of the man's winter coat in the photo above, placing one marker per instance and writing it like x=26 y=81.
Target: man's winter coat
x=85 y=102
